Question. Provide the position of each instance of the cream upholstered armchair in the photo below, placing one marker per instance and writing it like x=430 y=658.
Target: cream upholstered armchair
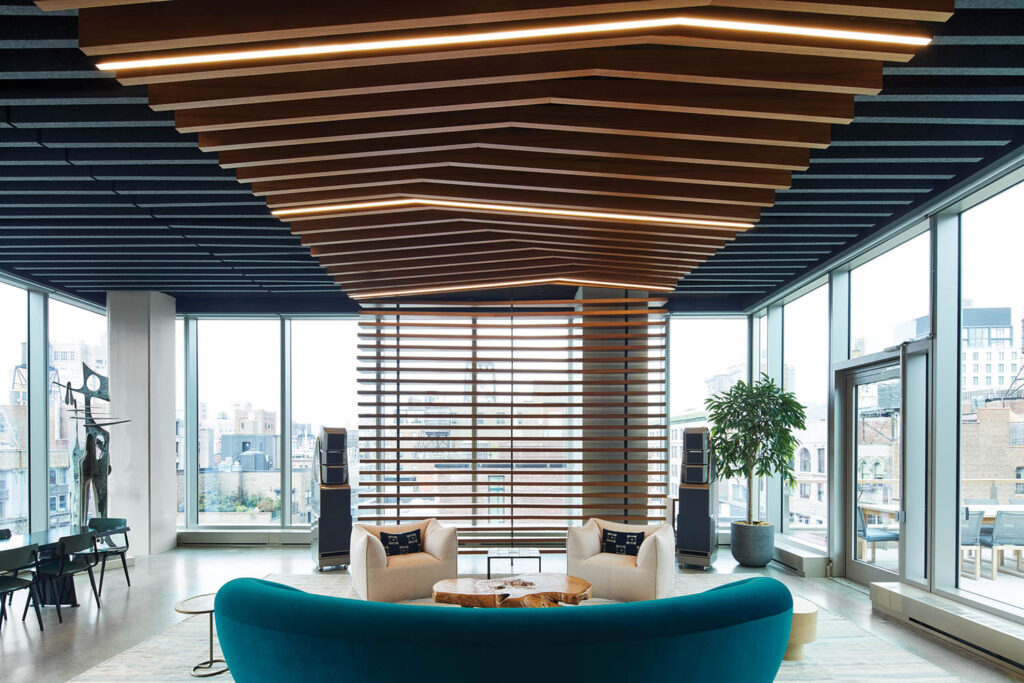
x=379 y=577
x=647 y=576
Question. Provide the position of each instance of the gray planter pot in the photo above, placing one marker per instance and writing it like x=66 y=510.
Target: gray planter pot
x=752 y=545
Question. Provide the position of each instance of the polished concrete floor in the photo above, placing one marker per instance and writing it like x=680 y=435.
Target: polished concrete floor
x=130 y=615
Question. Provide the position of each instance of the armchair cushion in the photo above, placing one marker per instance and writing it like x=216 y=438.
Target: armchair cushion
x=402 y=544
x=621 y=542
x=411 y=560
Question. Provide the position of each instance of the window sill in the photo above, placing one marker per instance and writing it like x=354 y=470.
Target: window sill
x=806 y=560
x=240 y=536
x=997 y=637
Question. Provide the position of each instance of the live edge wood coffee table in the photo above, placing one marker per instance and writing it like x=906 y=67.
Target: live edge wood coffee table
x=525 y=590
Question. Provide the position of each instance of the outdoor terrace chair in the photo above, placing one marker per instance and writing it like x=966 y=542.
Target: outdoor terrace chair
x=871 y=535
x=970 y=539
x=107 y=548
x=1007 y=534
x=14 y=564
x=76 y=554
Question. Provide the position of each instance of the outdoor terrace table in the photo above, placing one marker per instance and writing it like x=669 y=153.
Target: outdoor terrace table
x=49 y=543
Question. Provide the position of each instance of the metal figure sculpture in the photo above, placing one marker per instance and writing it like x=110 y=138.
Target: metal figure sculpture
x=91 y=465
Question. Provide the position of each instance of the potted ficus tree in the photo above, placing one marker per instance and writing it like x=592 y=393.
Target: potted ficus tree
x=752 y=435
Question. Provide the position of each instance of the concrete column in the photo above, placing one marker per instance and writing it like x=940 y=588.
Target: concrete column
x=143 y=480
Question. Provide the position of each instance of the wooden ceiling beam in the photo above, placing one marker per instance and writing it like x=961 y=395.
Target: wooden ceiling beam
x=568 y=270
x=419 y=257
x=636 y=282
x=686 y=98
x=381 y=241
x=675 y=36
x=550 y=200
x=343 y=276
x=199 y=23
x=679 y=65
x=51 y=5
x=419 y=247
x=543 y=141
x=290 y=193
x=428 y=220
x=524 y=161
x=334 y=266
x=680 y=243
x=908 y=10
x=661 y=125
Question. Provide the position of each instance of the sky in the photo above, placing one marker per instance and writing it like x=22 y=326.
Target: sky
x=889 y=291
x=238 y=363
x=718 y=343
x=993 y=246
x=68 y=324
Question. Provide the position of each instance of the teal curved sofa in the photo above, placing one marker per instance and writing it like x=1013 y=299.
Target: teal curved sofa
x=733 y=633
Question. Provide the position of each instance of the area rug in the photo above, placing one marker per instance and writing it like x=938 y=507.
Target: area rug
x=842 y=652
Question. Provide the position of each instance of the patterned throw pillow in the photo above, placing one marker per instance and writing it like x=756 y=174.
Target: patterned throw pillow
x=622 y=542
x=402 y=544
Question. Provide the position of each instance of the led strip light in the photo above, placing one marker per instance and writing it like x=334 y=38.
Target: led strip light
x=504 y=36
x=510 y=208
x=511 y=283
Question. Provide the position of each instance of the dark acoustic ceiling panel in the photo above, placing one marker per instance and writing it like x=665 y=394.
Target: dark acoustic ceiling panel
x=99 y=191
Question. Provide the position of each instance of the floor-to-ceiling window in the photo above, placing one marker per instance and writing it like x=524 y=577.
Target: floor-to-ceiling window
x=992 y=397
x=239 y=396
x=762 y=344
x=180 y=452
x=14 y=410
x=708 y=356
x=890 y=298
x=805 y=352
x=77 y=338
x=323 y=394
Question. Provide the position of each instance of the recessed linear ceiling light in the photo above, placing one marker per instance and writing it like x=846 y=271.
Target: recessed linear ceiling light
x=512 y=283
x=511 y=208
x=500 y=36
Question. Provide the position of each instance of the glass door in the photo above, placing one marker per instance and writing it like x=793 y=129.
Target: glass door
x=875 y=470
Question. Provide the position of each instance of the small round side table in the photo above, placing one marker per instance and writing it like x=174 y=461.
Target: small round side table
x=202 y=604
x=804 y=629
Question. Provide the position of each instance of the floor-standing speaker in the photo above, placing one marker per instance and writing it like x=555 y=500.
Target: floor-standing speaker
x=697 y=517
x=331 y=500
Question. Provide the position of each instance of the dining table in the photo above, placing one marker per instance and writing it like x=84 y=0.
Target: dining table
x=63 y=589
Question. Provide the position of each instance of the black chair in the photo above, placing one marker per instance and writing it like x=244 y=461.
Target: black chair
x=108 y=548
x=76 y=554
x=4 y=535
x=871 y=535
x=13 y=564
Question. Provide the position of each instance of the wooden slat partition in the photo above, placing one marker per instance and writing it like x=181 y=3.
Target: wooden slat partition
x=513 y=420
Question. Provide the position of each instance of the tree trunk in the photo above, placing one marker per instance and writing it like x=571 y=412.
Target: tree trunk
x=750 y=495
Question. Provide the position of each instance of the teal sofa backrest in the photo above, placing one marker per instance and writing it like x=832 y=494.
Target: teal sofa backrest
x=734 y=633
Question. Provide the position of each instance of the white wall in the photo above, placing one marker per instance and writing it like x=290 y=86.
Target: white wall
x=143 y=476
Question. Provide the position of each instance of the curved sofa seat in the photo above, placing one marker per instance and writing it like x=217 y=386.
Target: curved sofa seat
x=270 y=632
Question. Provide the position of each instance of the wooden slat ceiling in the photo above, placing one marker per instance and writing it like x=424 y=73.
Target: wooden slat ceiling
x=677 y=123
x=745 y=106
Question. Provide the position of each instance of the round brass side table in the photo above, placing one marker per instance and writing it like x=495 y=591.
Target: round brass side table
x=202 y=604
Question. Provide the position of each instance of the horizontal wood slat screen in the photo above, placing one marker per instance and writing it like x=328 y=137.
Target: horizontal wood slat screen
x=513 y=420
